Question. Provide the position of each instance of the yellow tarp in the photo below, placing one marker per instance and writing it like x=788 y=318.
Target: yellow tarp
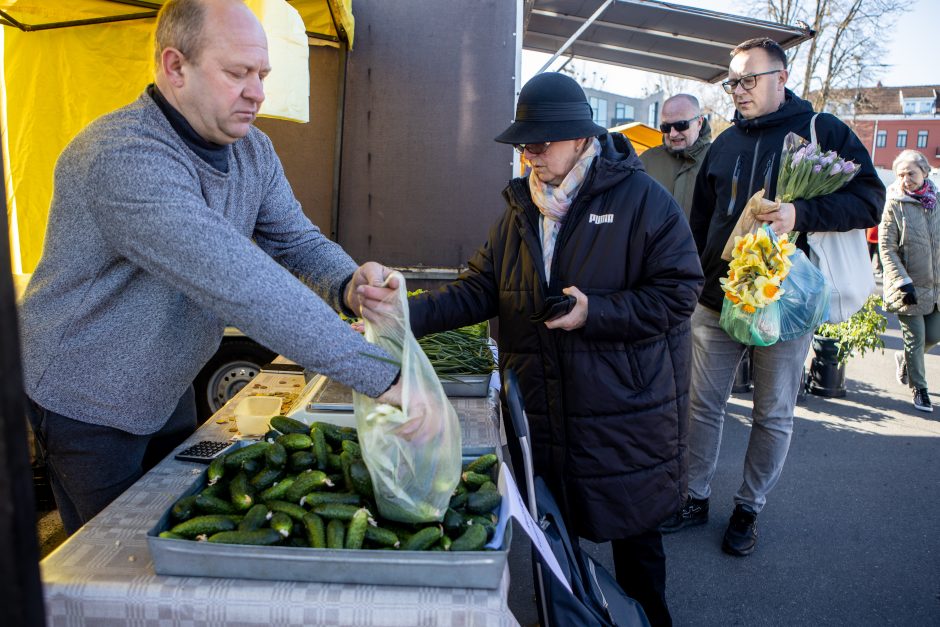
x=58 y=80
x=640 y=135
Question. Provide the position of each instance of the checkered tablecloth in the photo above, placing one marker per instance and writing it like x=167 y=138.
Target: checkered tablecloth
x=103 y=575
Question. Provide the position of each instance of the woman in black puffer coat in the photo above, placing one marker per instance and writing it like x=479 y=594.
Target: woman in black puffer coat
x=605 y=386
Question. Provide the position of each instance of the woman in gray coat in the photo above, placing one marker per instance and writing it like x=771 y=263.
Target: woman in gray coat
x=909 y=240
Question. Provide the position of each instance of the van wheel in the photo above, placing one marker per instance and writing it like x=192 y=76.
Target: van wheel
x=236 y=363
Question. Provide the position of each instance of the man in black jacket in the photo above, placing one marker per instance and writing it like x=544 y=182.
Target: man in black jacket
x=741 y=161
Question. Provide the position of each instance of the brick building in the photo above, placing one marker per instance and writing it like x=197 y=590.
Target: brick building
x=891 y=119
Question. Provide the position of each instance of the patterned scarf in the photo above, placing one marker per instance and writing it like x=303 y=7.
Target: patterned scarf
x=926 y=195
x=553 y=201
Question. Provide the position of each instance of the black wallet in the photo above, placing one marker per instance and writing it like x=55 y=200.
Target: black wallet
x=555 y=307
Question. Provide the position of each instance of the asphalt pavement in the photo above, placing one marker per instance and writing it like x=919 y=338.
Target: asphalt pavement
x=849 y=536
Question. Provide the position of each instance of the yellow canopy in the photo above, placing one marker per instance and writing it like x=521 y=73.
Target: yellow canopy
x=65 y=64
x=640 y=135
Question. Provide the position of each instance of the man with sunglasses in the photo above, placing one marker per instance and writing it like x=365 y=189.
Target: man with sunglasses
x=686 y=136
x=741 y=161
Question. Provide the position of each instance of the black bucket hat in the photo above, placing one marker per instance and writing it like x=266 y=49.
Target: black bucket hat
x=552 y=107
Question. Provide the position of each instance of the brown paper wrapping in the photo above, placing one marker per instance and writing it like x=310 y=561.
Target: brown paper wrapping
x=747 y=223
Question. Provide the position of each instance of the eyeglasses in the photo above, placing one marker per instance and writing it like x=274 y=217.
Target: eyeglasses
x=534 y=149
x=681 y=125
x=747 y=82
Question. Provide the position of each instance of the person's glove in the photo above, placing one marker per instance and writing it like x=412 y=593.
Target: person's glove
x=910 y=295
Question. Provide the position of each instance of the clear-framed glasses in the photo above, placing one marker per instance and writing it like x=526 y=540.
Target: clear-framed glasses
x=680 y=125
x=748 y=82
x=534 y=149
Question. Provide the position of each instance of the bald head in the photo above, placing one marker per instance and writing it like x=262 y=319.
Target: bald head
x=681 y=122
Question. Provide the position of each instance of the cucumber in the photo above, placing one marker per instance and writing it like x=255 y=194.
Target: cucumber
x=335 y=511
x=487 y=522
x=334 y=462
x=446 y=542
x=276 y=491
x=183 y=508
x=482 y=463
x=271 y=435
x=275 y=456
x=241 y=493
x=483 y=501
x=294 y=441
x=472 y=539
x=214 y=505
x=460 y=498
x=301 y=460
x=382 y=536
x=203 y=525
x=294 y=511
x=474 y=479
x=322 y=498
x=336 y=434
x=489 y=486
x=346 y=460
x=316 y=530
x=356 y=532
x=320 y=449
x=242 y=455
x=251 y=466
x=216 y=469
x=335 y=534
x=256 y=536
x=423 y=540
x=288 y=425
x=265 y=478
x=305 y=482
x=352 y=448
x=454 y=520
x=361 y=480
x=282 y=523
x=169 y=535
x=218 y=490
x=254 y=518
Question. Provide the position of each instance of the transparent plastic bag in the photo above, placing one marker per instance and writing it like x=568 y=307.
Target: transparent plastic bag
x=758 y=328
x=804 y=304
x=413 y=459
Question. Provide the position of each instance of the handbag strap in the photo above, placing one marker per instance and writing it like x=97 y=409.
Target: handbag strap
x=812 y=129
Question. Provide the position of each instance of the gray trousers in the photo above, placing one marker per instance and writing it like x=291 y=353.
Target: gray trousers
x=920 y=333
x=777 y=372
x=91 y=465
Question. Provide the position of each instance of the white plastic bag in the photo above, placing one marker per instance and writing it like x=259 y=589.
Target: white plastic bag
x=413 y=456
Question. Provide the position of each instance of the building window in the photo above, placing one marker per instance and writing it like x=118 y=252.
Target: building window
x=654 y=114
x=881 y=139
x=921 y=139
x=902 y=139
x=623 y=111
x=599 y=105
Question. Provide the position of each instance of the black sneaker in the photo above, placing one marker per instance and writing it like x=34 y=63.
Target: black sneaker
x=694 y=512
x=922 y=400
x=900 y=372
x=741 y=534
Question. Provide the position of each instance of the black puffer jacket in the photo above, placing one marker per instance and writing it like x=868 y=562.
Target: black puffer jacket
x=746 y=158
x=607 y=403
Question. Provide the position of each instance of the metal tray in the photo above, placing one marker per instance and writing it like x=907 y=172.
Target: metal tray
x=458 y=569
x=466 y=385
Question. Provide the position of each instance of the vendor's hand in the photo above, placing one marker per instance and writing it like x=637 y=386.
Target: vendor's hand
x=368 y=285
x=423 y=424
x=392 y=395
x=575 y=318
x=780 y=215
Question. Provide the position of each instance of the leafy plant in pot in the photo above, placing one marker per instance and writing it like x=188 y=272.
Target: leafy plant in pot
x=833 y=344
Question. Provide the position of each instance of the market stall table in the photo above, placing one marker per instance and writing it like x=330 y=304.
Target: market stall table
x=103 y=575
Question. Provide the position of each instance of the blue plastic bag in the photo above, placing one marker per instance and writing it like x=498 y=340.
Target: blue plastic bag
x=804 y=304
x=758 y=328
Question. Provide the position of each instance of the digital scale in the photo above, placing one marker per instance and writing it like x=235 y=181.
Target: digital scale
x=324 y=400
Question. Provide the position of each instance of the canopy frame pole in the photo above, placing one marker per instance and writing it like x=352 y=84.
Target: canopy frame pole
x=577 y=34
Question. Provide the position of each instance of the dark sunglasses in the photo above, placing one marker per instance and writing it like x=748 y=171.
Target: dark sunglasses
x=534 y=149
x=681 y=125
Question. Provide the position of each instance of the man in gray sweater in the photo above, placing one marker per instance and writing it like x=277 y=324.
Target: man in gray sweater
x=172 y=217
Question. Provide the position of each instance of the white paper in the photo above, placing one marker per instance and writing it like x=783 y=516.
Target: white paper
x=513 y=506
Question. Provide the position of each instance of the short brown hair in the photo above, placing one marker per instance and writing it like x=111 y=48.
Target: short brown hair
x=771 y=47
x=179 y=25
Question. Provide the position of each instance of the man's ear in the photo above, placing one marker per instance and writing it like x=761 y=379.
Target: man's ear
x=171 y=65
x=782 y=77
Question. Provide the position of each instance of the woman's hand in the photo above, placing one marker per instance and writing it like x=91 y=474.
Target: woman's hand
x=575 y=318
x=369 y=287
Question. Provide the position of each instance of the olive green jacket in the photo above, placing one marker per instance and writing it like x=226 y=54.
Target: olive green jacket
x=909 y=244
x=677 y=171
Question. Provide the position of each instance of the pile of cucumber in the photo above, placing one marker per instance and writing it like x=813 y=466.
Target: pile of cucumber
x=309 y=487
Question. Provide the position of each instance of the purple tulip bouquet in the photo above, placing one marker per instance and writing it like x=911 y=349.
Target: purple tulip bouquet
x=807 y=172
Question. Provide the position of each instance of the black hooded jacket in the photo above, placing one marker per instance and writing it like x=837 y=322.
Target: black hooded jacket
x=746 y=158
x=607 y=403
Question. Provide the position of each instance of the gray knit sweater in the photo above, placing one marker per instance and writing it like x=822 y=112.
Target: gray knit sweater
x=150 y=252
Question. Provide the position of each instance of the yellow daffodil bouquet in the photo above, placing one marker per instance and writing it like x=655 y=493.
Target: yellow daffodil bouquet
x=759 y=264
